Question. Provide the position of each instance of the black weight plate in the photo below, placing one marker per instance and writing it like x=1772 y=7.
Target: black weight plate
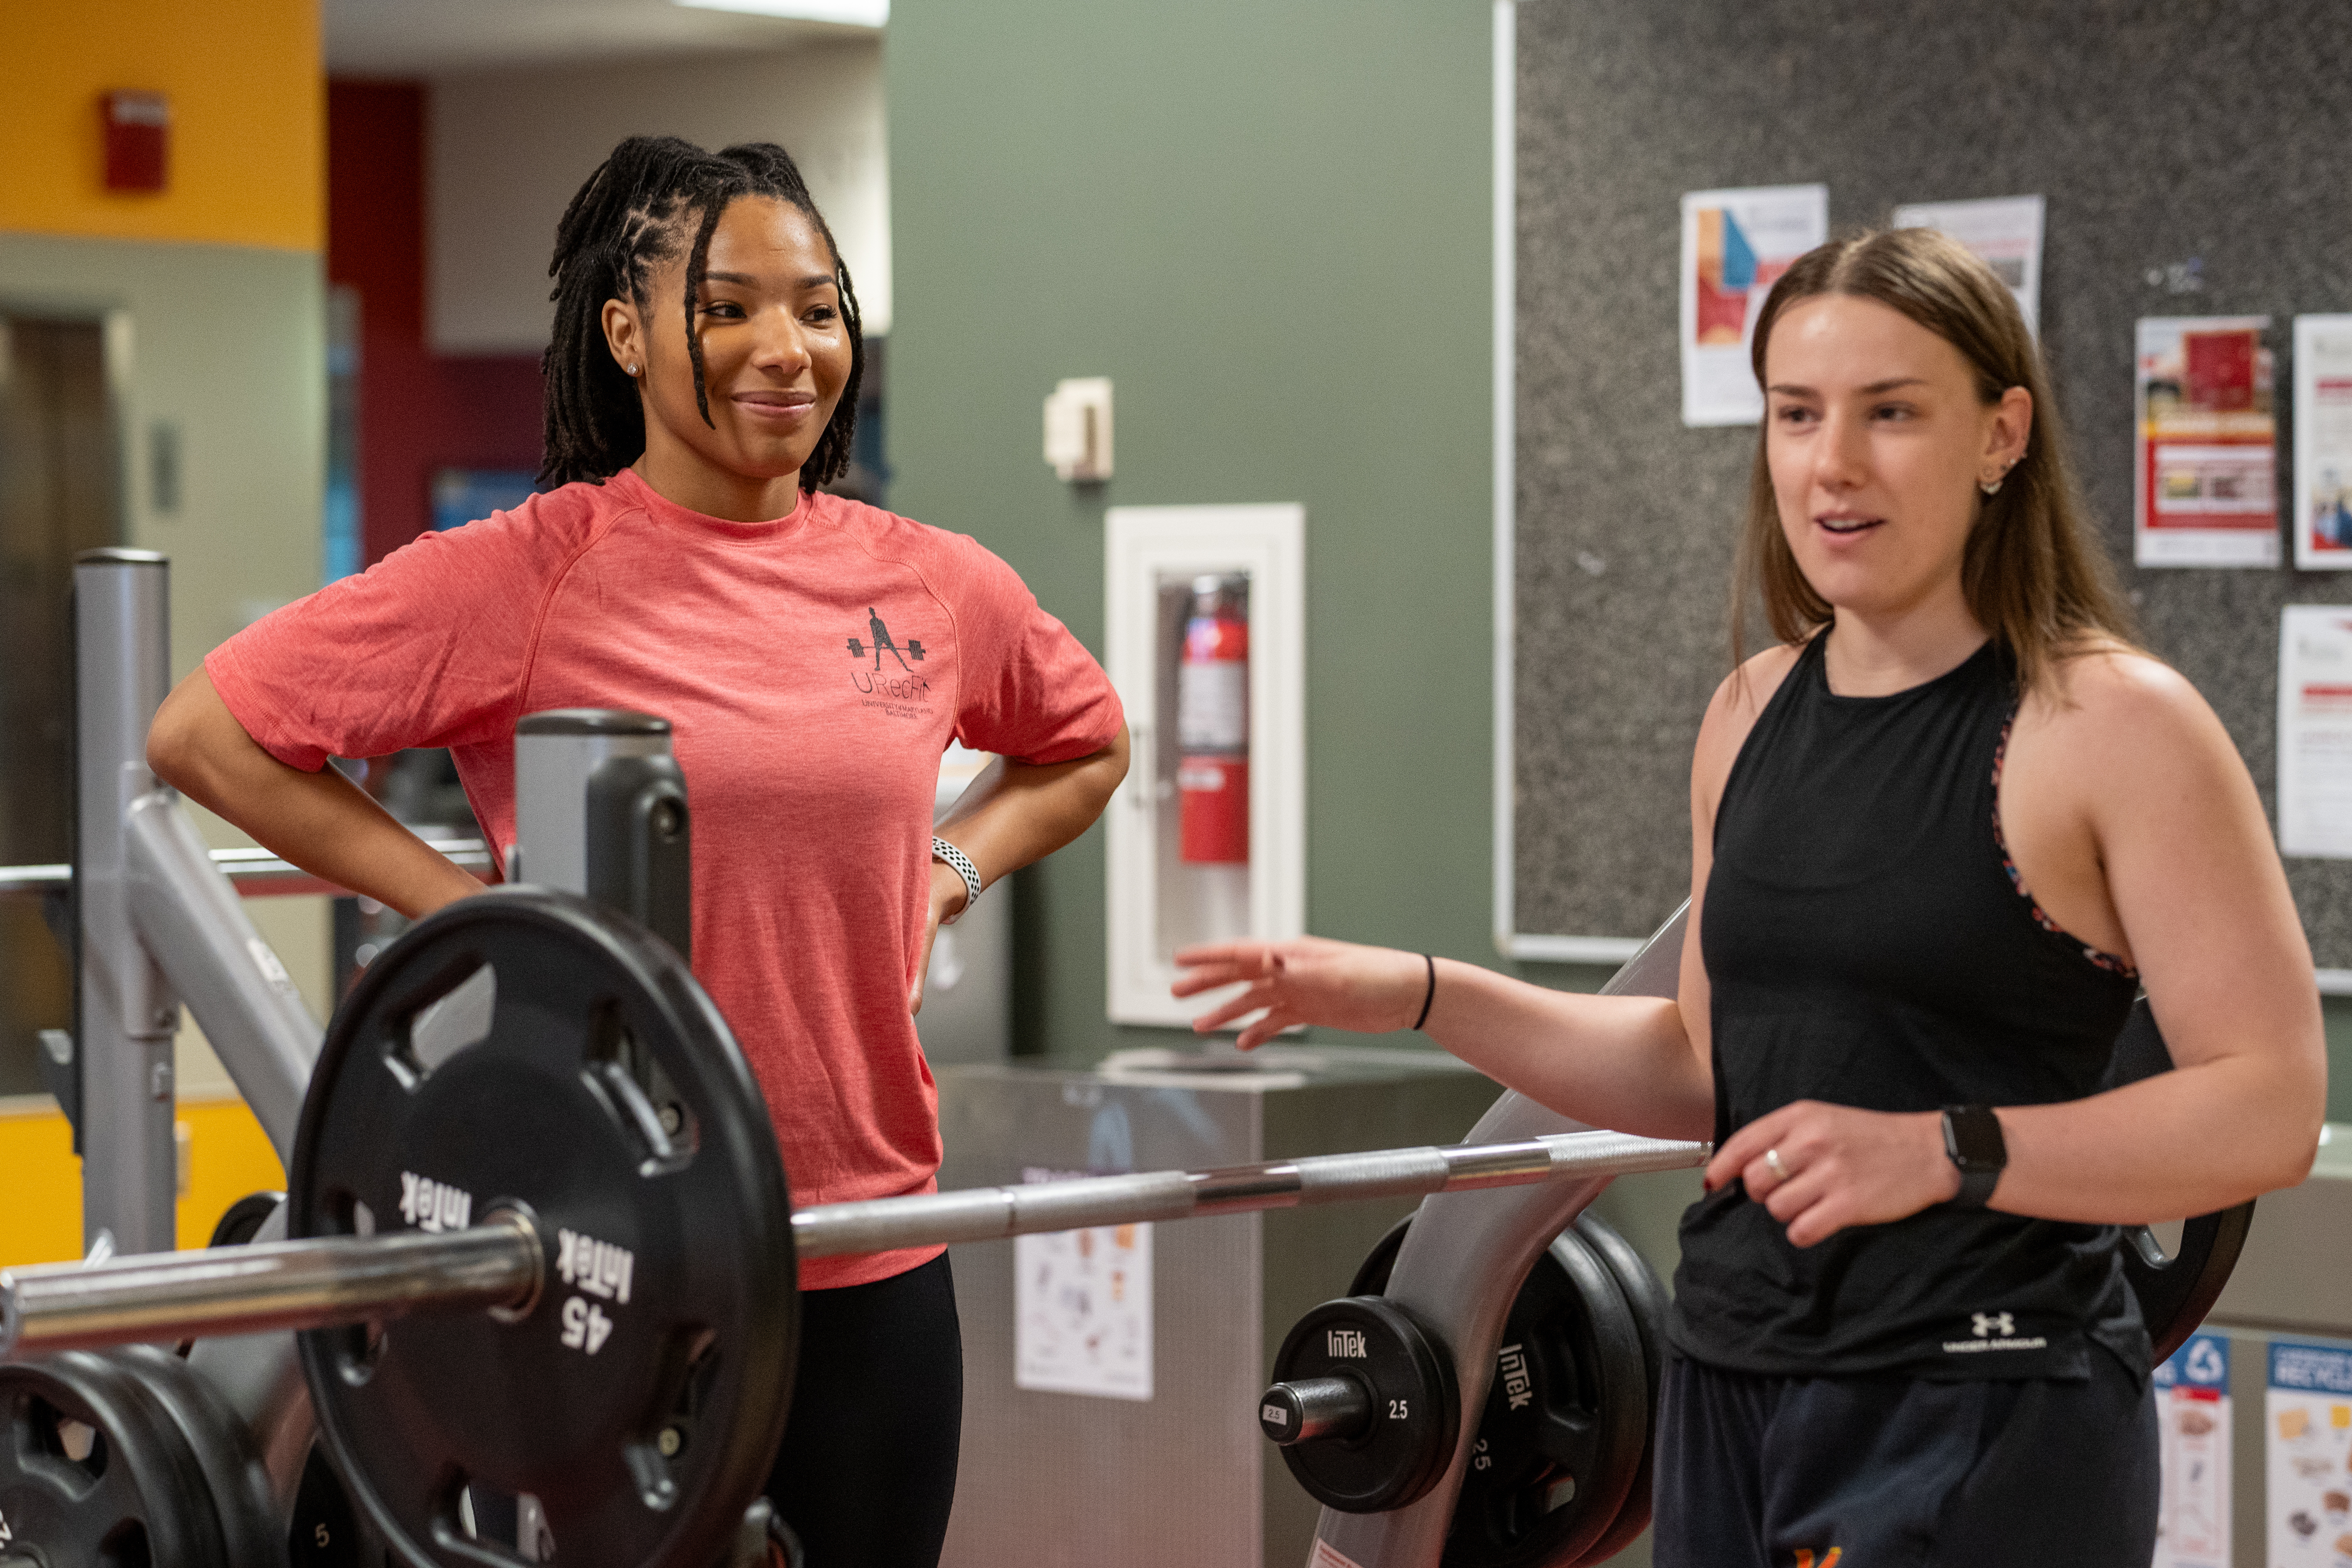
x=137 y=1494
x=1566 y=1422
x=2176 y=1292
x=1646 y=1294
x=234 y=1477
x=610 y=1099
x=1416 y=1407
x=1550 y=1475
x=242 y=1218
x=325 y=1531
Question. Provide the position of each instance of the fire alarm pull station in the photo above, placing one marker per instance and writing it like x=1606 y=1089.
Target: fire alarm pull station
x=138 y=139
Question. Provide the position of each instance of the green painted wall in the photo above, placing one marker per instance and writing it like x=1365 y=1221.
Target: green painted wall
x=1269 y=226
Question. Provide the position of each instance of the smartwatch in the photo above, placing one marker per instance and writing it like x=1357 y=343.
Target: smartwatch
x=1972 y=1139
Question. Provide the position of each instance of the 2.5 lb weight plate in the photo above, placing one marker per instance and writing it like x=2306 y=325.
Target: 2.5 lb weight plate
x=527 y=1049
x=1564 y=1439
x=1406 y=1412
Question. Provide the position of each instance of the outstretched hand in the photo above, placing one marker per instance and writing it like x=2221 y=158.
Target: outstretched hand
x=1842 y=1166
x=1307 y=980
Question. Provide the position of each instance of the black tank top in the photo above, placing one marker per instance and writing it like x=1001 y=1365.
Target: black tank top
x=1868 y=943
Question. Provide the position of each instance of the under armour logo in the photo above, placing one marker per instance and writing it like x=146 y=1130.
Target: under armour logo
x=1991 y=1323
x=857 y=648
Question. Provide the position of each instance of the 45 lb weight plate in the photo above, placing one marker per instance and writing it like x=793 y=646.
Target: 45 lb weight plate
x=527 y=1050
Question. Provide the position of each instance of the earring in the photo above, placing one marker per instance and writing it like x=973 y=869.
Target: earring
x=1992 y=488
x=632 y=370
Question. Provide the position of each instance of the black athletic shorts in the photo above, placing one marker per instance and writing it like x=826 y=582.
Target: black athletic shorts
x=1867 y=1472
x=868 y=1470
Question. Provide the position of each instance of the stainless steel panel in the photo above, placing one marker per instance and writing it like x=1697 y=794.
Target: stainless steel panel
x=1058 y=1480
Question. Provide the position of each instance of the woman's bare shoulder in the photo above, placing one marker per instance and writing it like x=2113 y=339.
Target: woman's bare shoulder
x=2111 y=705
x=1733 y=711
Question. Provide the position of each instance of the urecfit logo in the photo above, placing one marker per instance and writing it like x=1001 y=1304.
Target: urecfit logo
x=1993 y=1331
x=905 y=686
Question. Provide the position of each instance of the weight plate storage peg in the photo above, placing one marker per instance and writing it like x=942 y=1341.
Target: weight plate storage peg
x=1565 y=1431
x=526 y=1051
x=91 y=1472
x=1394 y=1414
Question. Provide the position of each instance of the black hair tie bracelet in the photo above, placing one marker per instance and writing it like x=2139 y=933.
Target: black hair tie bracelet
x=1429 y=995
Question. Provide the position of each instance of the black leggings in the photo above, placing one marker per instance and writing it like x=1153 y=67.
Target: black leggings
x=868 y=1467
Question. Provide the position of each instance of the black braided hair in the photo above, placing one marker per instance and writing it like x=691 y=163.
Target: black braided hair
x=628 y=219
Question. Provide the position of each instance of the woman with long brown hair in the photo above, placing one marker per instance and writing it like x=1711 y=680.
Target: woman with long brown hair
x=1944 y=830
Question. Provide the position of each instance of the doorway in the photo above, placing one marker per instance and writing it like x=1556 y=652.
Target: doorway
x=59 y=495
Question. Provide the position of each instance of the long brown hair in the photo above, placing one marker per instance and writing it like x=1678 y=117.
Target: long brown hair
x=2033 y=574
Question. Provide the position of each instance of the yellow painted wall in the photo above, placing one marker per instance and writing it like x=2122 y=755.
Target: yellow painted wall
x=40 y=1180
x=247 y=161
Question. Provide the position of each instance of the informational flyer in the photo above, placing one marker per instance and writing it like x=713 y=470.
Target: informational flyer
x=2314 y=731
x=2192 y=1405
x=2203 y=479
x=1082 y=1309
x=1735 y=243
x=2323 y=443
x=2004 y=230
x=2307 y=1427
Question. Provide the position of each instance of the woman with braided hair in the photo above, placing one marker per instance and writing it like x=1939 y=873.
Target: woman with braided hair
x=813 y=656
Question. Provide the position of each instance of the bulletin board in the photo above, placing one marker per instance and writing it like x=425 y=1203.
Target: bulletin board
x=2196 y=161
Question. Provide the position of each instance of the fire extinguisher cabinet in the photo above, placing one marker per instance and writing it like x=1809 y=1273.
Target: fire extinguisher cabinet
x=1205 y=611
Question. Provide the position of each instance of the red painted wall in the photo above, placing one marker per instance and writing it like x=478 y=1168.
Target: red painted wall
x=419 y=411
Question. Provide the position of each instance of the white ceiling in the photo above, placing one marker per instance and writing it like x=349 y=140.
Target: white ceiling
x=442 y=37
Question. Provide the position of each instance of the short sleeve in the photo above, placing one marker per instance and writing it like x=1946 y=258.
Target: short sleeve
x=430 y=646
x=1029 y=689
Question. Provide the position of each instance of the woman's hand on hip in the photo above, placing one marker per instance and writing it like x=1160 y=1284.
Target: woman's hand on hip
x=1820 y=1168
x=1307 y=980
x=949 y=896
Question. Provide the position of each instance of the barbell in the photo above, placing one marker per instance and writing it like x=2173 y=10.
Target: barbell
x=542 y=1244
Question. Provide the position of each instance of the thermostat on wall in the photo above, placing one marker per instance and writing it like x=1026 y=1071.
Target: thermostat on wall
x=1077 y=428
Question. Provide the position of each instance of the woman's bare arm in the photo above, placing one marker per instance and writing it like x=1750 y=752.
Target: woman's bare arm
x=322 y=822
x=1635 y=1064
x=1014 y=814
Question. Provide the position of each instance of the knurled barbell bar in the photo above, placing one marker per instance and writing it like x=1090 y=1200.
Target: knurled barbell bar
x=544 y=1245
x=500 y=1265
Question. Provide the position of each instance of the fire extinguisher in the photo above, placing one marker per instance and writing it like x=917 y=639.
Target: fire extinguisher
x=1212 y=725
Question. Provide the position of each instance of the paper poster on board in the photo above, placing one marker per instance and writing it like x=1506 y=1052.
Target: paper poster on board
x=2204 y=474
x=2006 y=231
x=2192 y=1405
x=2321 y=517
x=2314 y=731
x=2307 y=1431
x=1082 y=1309
x=1735 y=243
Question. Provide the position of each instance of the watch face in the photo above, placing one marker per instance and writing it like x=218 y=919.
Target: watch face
x=1972 y=1135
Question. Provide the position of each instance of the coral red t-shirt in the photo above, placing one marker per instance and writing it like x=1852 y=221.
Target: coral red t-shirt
x=811 y=749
